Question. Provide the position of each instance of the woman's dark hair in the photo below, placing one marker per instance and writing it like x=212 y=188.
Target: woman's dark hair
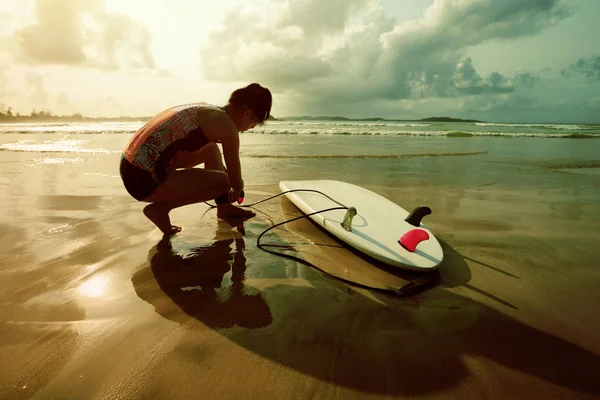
x=256 y=97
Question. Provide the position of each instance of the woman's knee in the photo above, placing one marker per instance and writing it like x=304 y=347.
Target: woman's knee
x=209 y=155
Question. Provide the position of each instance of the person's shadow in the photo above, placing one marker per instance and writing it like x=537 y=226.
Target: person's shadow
x=195 y=281
x=389 y=346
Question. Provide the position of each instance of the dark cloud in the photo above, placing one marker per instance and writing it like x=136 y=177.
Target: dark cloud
x=466 y=80
x=60 y=36
x=526 y=79
x=473 y=22
x=466 y=75
x=586 y=66
x=506 y=102
x=353 y=53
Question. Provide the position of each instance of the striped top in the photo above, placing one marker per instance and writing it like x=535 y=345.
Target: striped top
x=155 y=144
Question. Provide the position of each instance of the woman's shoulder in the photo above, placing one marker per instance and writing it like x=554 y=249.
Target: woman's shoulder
x=200 y=106
x=214 y=121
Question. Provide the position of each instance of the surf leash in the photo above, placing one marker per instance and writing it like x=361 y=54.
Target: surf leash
x=414 y=286
x=241 y=199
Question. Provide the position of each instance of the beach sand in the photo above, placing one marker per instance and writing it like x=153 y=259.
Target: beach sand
x=96 y=305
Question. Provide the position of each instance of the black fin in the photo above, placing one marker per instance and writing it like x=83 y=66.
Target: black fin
x=415 y=217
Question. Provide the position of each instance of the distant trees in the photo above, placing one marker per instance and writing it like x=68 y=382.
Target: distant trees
x=7 y=116
x=5 y=112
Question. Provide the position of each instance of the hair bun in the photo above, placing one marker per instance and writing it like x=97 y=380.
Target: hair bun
x=256 y=97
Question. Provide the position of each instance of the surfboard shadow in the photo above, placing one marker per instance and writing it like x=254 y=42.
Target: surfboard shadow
x=455 y=272
x=350 y=340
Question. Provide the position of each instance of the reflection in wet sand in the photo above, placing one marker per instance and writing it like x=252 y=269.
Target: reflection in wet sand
x=194 y=283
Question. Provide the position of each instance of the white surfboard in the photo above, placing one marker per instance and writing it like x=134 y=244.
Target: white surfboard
x=376 y=228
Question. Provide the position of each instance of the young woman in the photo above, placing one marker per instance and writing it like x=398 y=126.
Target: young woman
x=157 y=163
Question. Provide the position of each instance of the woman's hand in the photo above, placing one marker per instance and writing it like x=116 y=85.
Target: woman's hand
x=237 y=194
x=234 y=195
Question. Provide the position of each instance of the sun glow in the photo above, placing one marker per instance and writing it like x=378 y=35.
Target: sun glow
x=94 y=287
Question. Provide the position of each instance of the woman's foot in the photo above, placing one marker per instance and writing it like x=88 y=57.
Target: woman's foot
x=227 y=210
x=157 y=213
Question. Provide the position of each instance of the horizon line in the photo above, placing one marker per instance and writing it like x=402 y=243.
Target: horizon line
x=5 y=118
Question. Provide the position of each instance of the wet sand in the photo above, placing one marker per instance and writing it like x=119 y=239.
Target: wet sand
x=96 y=305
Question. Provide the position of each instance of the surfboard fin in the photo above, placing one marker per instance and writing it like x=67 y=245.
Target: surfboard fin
x=347 y=223
x=415 y=217
x=412 y=238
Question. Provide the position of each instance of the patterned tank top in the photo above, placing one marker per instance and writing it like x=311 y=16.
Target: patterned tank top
x=155 y=144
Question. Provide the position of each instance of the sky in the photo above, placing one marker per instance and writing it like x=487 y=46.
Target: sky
x=494 y=60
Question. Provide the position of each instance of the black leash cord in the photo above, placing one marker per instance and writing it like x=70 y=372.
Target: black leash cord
x=290 y=220
x=412 y=287
x=288 y=191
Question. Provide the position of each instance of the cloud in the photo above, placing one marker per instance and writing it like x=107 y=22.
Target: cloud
x=80 y=32
x=586 y=66
x=4 y=82
x=466 y=80
x=116 y=40
x=287 y=45
x=36 y=86
x=504 y=102
x=62 y=99
x=356 y=54
x=110 y=102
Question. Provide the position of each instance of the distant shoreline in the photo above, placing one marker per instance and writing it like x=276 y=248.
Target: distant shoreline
x=47 y=119
x=79 y=118
x=377 y=119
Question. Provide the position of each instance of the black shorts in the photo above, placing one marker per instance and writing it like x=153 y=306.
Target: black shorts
x=139 y=183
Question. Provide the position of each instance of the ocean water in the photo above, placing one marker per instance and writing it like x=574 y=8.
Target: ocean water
x=387 y=154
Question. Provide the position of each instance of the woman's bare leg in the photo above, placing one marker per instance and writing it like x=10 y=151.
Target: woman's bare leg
x=190 y=186
x=213 y=160
x=211 y=157
x=183 y=187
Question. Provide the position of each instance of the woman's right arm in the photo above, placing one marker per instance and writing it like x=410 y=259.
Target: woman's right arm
x=231 y=153
x=220 y=129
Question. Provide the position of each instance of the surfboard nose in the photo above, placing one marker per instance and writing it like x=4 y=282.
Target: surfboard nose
x=412 y=238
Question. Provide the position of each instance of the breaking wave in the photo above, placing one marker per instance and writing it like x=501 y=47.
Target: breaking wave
x=365 y=156
x=566 y=127
x=450 y=134
x=60 y=146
